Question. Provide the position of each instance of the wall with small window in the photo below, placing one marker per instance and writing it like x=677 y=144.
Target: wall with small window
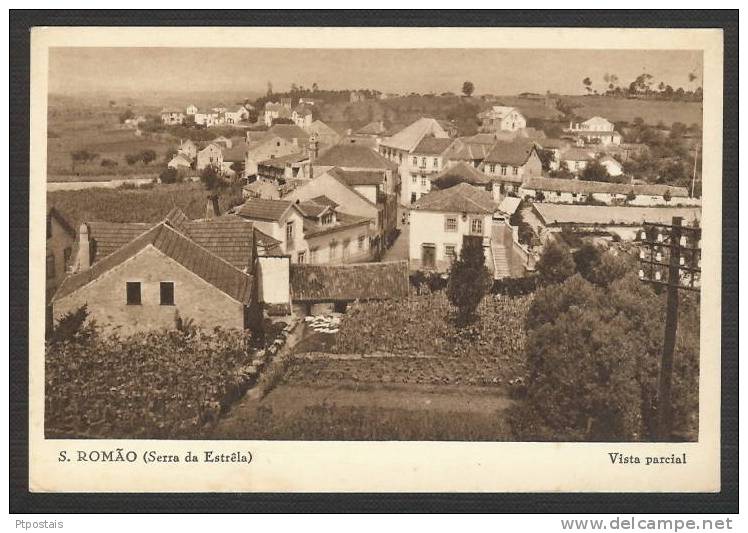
x=146 y=293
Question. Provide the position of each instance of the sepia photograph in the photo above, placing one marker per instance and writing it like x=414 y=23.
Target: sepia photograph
x=411 y=247
x=490 y=240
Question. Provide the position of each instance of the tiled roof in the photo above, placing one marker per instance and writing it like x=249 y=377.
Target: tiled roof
x=229 y=237
x=461 y=198
x=311 y=209
x=359 y=281
x=509 y=204
x=514 y=153
x=497 y=111
x=320 y=128
x=353 y=156
x=463 y=149
x=480 y=138
x=372 y=128
x=262 y=209
x=432 y=145
x=610 y=215
x=590 y=187
x=361 y=177
x=289 y=132
x=408 y=138
x=169 y=241
x=324 y=200
x=577 y=154
x=180 y=159
x=467 y=173
x=282 y=161
x=177 y=218
x=108 y=237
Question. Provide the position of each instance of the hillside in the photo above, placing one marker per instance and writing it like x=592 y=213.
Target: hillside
x=625 y=109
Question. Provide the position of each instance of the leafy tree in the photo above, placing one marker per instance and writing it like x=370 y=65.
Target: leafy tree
x=211 y=178
x=468 y=88
x=147 y=156
x=667 y=196
x=108 y=163
x=82 y=156
x=585 y=258
x=469 y=280
x=593 y=359
x=587 y=82
x=595 y=171
x=126 y=115
x=555 y=264
x=131 y=159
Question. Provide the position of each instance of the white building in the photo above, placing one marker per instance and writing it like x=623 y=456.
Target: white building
x=502 y=118
x=595 y=130
x=442 y=218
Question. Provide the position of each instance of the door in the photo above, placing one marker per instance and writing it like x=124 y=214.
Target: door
x=428 y=256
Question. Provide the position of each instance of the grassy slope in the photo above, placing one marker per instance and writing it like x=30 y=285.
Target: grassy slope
x=652 y=111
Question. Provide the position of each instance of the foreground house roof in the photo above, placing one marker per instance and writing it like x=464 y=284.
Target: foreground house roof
x=361 y=177
x=357 y=281
x=601 y=187
x=163 y=237
x=262 y=209
x=552 y=214
x=462 y=198
x=351 y=155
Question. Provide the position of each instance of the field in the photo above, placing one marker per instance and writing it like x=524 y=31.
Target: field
x=396 y=370
x=623 y=109
x=137 y=205
x=97 y=130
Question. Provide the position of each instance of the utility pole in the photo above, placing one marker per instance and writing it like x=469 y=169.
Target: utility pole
x=674 y=250
x=695 y=162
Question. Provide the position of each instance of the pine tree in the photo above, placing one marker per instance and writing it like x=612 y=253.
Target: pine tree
x=469 y=280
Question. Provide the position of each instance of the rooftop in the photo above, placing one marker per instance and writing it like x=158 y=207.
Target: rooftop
x=462 y=198
x=590 y=187
x=464 y=172
x=514 y=153
x=361 y=177
x=263 y=209
x=552 y=214
x=408 y=138
x=354 y=156
x=432 y=145
x=349 y=282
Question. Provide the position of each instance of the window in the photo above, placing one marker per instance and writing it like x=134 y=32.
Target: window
x=492 y=169
x=515 y=170
x=449 y=252
x=301 y=258
x=415 y=161
x=333 y=250
x=289 y=232
x=415 y=179
x=400 y=157
x=66 y=254
x=346 y=248
x=423 y=162
x=361 y=241
x=50 y=267
x=476 y=226
x=313 y=255
x=436 y=162
x=327 y=218
x=167 y=293
x=428 y=255
x=450 y=223
x=133 y=293
x=424 y=182
x=503 y=170
x=413 y=197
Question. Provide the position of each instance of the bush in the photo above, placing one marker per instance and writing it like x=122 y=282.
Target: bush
x=109 y=163
x=555 y=264
x=151 y=385
x=515 y=286
x=169 y=175
x=73 y=327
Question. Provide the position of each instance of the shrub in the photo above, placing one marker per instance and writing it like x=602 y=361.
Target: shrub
x=109 y=163
x=555 y=264
x=169 y=175
x=73 y=327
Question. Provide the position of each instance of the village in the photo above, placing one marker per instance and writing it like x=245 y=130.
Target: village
x=312 y=236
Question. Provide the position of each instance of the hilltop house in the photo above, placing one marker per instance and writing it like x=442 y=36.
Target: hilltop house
x=235 y=117
x=266 y=145
x=576 y=159
x=423 y=163
x=302 y=116
x=509 y=163
x=179 y=162
x=172 y=117
x=501 y=118
x=400 y=149
x=188 y=148
x=311 y=231
x=275 y=111
x=60 y=238
x=595 y=130
x=234 y=157
x=612 y=165
x=286 y=167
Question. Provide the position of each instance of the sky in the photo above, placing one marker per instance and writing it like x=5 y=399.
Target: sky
x=495 y=71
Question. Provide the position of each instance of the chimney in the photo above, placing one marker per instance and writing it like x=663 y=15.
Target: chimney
x=212 y=210
x=84 y=248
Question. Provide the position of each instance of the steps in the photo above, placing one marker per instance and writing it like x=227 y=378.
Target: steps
x=500 y=261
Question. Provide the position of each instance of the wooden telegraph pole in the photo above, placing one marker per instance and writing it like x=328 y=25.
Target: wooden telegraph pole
x=683 y=272
x=664 y=422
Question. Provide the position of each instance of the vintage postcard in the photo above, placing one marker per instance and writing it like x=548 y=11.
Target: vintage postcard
x=375 y=259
